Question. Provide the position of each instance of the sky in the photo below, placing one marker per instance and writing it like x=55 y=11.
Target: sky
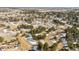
x=39 y=3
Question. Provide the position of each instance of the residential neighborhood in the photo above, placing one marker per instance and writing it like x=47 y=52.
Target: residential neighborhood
x=39 y=29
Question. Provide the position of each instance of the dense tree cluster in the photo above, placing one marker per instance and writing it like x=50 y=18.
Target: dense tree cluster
x=72 y=36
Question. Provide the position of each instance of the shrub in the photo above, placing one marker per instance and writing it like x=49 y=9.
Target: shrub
x=1 y=39
x=45 y=47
